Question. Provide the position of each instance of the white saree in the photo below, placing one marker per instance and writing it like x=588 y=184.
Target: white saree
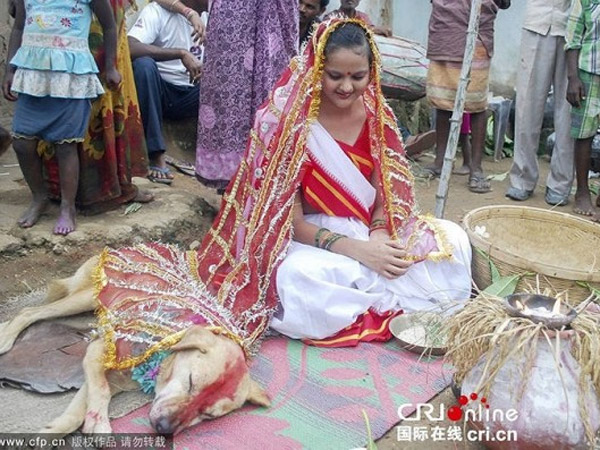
x=322 y=292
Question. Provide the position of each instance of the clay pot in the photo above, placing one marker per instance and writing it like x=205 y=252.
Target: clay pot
x=546 y=416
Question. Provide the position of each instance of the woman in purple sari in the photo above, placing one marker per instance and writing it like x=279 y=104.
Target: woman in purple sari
x=248 y=45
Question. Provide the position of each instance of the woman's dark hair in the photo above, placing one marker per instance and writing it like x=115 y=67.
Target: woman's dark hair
x=349 y=36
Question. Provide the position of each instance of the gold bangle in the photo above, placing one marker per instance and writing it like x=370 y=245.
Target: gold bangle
x=380 y=227
x=172 y=5
x=377 y=223
x=331 y=239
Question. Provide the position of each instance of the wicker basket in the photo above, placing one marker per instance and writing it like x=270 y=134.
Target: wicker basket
x=561 y=248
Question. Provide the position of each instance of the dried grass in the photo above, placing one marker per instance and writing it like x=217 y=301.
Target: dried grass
x=483 y=327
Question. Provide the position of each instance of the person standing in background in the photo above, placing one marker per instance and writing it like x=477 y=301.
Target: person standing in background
x=114 y=149
x=542 y=64
x=248 y=45
x=310 y=13
x=583 y=93
x=445 y=49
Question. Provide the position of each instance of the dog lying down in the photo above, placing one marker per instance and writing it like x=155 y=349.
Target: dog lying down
x=204 y=376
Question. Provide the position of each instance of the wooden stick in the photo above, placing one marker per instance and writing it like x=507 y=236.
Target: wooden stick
x=459 y=106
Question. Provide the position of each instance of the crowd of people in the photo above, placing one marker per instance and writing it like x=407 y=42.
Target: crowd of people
x=302 y=144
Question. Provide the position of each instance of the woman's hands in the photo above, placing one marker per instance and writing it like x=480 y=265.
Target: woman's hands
x=383 y=255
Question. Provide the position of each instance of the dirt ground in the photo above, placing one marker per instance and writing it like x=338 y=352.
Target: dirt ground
x=31 y=268
x=21 y=271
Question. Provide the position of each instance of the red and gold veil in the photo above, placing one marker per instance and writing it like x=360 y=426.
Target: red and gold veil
x=150 y=294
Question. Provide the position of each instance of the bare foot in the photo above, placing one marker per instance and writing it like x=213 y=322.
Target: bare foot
x=32 y=214
x=143 y=196
x=463 y=170
x=66 y=221
x=583 y=206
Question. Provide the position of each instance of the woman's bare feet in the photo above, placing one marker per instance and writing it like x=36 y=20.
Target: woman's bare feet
x=32 y=214
x=66 y=221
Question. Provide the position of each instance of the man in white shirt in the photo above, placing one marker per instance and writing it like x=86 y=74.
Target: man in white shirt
x=542 y=64
x=166 y=67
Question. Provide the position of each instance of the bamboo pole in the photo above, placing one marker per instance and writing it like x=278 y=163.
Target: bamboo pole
x=459 y=106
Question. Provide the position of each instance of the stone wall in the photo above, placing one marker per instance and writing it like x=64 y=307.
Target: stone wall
x=5 y=24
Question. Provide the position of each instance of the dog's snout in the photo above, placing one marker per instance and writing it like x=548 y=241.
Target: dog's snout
x=163 y=426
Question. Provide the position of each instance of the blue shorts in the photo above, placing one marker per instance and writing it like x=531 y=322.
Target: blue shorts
x=54 y=120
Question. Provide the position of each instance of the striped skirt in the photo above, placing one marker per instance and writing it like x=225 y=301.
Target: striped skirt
x=443 y=78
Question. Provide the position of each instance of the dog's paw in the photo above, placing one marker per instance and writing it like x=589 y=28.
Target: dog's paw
x=95 y=423
x=61 y=426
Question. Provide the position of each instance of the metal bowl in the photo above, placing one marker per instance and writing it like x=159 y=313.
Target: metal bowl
x=540 y=307
x=429 y=345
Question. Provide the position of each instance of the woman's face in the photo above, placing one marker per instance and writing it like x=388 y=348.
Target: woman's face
x=345 y=77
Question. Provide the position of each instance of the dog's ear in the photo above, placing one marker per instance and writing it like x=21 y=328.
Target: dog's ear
x=196 y=338
x=257 y=395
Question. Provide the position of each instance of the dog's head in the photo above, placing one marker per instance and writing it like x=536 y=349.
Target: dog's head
x=205 y=377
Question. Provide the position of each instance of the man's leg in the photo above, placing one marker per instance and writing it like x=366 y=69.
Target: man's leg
x=560 y=178
x=31 y=166
x=68 y=171
x=181 y=102
x=442 y=128
x=533 y=84
x=150 y=86
x=583 y=198
x=477 y=181
x=584 y=125
x=464 y=140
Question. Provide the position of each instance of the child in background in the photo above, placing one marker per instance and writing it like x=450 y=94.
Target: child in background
x=52 y=77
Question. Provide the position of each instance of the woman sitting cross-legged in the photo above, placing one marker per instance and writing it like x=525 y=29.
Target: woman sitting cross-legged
x=319 y=225
x=360 y=253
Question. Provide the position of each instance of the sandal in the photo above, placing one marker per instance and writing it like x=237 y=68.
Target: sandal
x=431 y=172
x=479 y=184
x=166 y=172
x=183 y=166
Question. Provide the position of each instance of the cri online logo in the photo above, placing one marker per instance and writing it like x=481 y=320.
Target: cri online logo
x=455 y=413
